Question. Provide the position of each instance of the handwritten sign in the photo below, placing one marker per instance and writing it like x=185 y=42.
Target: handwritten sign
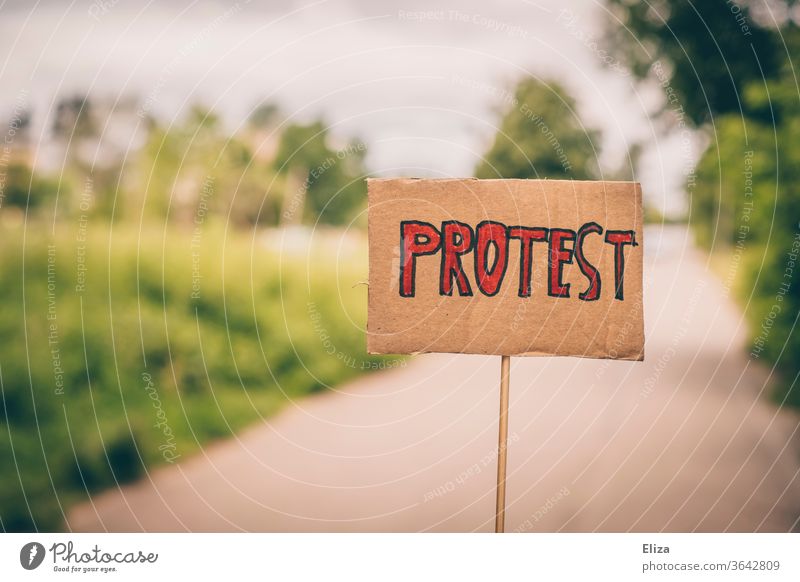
x=509 y=267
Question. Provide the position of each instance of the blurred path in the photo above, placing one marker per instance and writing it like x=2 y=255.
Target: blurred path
x=684 y=441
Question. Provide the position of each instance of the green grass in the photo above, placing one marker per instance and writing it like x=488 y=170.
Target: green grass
x=153 y=368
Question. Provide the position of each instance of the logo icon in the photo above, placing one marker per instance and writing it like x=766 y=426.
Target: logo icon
x=31 y=555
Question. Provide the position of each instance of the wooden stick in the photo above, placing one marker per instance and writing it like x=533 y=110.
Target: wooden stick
x=502 y=445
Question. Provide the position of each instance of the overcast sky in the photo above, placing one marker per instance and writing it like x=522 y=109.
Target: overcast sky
x=422 y=90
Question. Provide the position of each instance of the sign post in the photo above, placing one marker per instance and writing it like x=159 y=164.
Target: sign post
x=502 y=446
x=505 y=267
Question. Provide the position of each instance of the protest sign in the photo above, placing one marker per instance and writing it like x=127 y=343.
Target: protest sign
x=506 y=267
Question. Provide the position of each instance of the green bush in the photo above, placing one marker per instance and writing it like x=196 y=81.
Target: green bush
x=541 y=136
x=151 y=366
x=746 y=206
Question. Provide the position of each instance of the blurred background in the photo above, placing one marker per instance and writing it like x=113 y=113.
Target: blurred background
x=183 y=219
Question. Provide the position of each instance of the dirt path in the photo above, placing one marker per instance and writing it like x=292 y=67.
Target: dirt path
x=684 y=441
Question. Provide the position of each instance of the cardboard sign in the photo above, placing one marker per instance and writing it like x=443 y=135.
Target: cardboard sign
x=509 y=267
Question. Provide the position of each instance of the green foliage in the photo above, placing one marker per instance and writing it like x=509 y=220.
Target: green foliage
x=195 y=167
x=263 y=175
x=746 y=205
x=713 y=50
x=723 y=62
x=653 y=215
x=541 y=136
x=23 y=189
x=332 y=180
x=134 y=349
x=73 y=118
x=264 y=115
x=122 y=352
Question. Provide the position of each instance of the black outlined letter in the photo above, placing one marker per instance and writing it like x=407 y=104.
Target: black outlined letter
x=457 y=239
x=620 y=238
x=557 y=257
x=416 y=239
x=592 y=292
x=490 y=233
x=526 y=235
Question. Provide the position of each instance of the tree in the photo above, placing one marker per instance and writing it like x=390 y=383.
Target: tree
x=747 y=204
x=73 y=118
x=711 y=50
x=265 y=114
x=24 y=189
x=193 y=169
x=333 y=190
x=541 y=136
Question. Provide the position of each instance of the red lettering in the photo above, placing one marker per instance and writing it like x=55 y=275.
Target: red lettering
x=620 y=238
x=457 y=239
x=526 y=236
x=489 y=245
x=490 y=234
x=592 y=293
x=416 y=239
x=558 y=256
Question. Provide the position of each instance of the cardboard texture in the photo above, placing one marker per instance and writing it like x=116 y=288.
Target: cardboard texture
x=507 y=267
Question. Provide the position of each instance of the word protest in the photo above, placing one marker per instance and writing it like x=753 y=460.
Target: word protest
x=508 y=267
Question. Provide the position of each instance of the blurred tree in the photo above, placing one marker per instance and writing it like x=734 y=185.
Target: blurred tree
x=73 y=118
x=710 y=50
x=541 y=136
x=334 y=190
x=135 y=369
x=264 y=115
x=193 y=170
x=745 y=206
x=88 y=166
x=24 y=189
x=726 y=62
